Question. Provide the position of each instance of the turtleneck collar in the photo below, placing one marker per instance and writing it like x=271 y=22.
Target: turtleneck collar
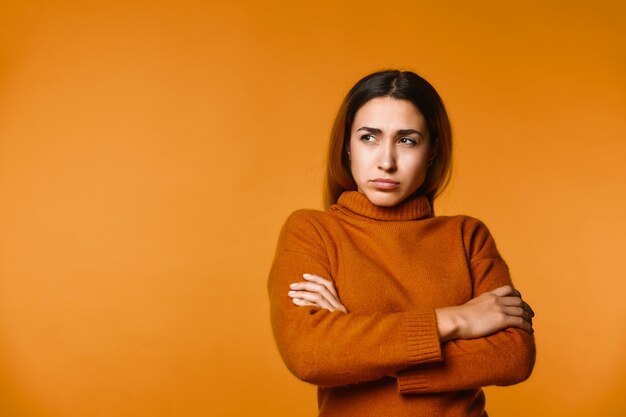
x=354 y=202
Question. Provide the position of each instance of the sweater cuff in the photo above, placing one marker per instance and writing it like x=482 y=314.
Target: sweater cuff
x=422 y=335
x=412 y=382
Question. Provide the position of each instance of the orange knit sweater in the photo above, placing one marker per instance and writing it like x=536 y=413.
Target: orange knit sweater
x=392 y=266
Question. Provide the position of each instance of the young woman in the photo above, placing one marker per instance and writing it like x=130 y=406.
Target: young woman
x=387 y=308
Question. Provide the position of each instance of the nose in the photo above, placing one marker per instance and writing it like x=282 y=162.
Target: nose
x=387 y=158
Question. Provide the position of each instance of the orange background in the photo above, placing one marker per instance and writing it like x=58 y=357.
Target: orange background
x=150 y=152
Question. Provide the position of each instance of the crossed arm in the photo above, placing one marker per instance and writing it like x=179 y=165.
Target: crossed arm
x=483 y=315
x=486 y=341
x=479 y=334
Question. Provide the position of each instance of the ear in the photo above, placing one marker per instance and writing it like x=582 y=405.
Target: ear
x=348 y=149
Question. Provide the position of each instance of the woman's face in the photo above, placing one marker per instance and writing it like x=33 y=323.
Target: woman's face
x=389 y=150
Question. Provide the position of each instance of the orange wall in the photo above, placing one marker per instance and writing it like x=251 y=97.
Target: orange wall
x=150 y=153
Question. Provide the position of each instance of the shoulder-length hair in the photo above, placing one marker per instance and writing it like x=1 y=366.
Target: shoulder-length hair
x=404 y=85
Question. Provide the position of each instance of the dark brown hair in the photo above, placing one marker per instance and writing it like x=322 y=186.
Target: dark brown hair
x=404 y=85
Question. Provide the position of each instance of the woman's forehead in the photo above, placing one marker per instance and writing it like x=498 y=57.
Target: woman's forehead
x=387 y=113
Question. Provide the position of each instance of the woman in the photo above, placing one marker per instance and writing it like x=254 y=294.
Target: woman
x=387 y=308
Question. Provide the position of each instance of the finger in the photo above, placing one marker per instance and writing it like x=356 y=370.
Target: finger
x=515 y=299
x=518 y=312
x=326 y=283
x=526 y=307
x=503 y=291
x=313 y=297
x=520 y=323
x=301 y=302
x=317 y=288
x=512 y=301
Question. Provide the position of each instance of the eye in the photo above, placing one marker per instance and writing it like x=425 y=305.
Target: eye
x=408 y=141
x=368 y=138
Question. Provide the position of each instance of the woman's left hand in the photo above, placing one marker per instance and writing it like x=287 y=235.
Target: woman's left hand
x=317 y=292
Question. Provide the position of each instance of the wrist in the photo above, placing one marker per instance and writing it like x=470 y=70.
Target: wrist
x=448 y=323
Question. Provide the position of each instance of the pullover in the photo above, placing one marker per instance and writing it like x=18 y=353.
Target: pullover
x=392 y=267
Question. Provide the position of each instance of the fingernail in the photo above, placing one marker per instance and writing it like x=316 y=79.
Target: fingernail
x=293 y=285
x=291 y=293
x=306 y=275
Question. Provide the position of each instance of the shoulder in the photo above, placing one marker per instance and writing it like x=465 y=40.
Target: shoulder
x=303 y=229
x=304 y=215
x=304 y=219
x=466 y=225
x=475 y=235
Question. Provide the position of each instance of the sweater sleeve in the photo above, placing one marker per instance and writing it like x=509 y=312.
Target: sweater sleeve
x=503 y=358
x=334 y=348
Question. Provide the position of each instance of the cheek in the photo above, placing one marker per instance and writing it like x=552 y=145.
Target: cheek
x=359 y=166
x=416 y=165
x=356 y=166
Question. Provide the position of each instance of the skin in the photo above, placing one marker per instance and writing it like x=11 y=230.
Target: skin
x=390 y=140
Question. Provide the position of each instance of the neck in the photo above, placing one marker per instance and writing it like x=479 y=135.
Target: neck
x=356 y=203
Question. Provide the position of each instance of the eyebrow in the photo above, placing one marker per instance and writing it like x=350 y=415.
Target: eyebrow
x=377 y=131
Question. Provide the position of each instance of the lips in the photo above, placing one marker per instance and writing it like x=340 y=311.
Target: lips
x=385 y=183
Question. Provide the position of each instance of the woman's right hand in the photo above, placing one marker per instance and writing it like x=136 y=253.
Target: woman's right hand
x=316 y=292
x=485 y=314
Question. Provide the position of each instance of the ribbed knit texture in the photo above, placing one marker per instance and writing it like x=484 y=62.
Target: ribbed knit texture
x=392 y=267
x=357 y=203
x=421 y=345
